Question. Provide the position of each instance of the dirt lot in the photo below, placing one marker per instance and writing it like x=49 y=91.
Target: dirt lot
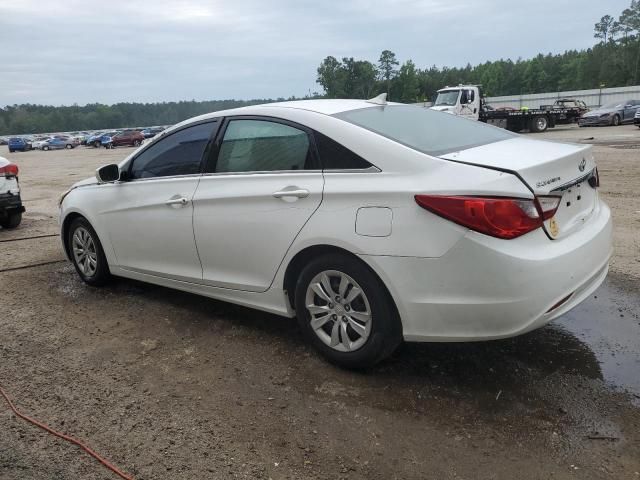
x=171 y=385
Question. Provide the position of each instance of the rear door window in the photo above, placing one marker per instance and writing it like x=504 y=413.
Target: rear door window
x=262 y=146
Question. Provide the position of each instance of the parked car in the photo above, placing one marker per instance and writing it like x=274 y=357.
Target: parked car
x=131 y=138
x=95 y=139
x=636 y=119
x=39 y=141
x=57 y=143
x=567 y=103
x=615 y=113
x=11 y=208
x=19 y=144
x=151 y=132
x=370 y=222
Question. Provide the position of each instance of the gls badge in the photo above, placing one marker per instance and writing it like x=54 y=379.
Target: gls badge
x=582 y=165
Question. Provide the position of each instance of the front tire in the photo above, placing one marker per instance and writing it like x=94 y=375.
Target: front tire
x=96 y=144
x=87 y=254
x=345 y=312
x=68 y=146
x=615 y=121
x=136 y=143
x=12 y=220
x=45 y=148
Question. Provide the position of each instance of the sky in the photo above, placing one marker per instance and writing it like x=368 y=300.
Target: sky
x=61 y=52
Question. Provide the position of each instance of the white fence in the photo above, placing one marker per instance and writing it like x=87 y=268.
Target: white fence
x=593 y=98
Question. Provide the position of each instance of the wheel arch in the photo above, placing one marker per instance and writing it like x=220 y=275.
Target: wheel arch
x=66 y=224
x=301 y=258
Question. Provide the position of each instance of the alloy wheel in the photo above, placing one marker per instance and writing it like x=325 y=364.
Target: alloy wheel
x=84 y=252
x=339 y=310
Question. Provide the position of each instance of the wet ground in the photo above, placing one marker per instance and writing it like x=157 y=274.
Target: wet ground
x=171 y=385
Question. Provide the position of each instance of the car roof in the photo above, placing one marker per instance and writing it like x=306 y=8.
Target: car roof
x=322 y=106
x=325 y=106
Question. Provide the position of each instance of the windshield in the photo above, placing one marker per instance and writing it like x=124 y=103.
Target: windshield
x=611 y=106
x=449 y=97
x=427 y=131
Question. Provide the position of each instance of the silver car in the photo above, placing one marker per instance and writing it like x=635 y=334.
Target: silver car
x=614 y=114
x=56 y=143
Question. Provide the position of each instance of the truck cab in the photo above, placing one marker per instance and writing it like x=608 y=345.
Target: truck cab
x=464 y=101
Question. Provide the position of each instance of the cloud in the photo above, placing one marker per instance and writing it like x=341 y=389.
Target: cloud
x=73 y=51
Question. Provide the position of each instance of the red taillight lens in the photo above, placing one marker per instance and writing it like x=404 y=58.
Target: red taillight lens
x=548 y=205
x=10 y=170
x=496 y=216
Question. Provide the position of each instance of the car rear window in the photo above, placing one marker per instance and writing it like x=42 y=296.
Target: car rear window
x=425 y=130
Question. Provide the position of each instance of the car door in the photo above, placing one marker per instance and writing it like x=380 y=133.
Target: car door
x=261 y=185
x=149 y=214
x=119 y=139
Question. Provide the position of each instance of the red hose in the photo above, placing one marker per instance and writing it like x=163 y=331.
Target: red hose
x=65 y=437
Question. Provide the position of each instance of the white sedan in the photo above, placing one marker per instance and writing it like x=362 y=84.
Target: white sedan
x=370 y=222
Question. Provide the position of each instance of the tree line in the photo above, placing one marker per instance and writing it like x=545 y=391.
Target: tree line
x=613 y=61
x=29 y=118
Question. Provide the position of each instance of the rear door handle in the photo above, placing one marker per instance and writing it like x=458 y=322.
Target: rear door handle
x=298 y=193
x=177 y=201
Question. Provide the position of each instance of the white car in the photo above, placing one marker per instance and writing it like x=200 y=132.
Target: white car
x=370 y=222
x=11 y=207
x=39 y=142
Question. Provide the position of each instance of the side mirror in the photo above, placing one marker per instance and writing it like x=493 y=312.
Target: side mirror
x=108 y=173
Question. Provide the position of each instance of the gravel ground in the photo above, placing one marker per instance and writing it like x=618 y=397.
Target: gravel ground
x=170 y=385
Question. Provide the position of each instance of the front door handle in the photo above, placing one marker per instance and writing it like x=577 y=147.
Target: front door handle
x=298 y=193
x=177 y=201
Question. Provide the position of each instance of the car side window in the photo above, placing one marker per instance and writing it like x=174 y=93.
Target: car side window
x=262 y=146
x=179 y=153
x=334 y=156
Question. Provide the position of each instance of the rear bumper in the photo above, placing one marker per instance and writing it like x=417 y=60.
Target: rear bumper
x=485 y=288
x=10 y=203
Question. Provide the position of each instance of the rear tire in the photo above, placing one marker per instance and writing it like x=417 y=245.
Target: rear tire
x=11 y=151
x=45 y=148
x=12 y=221
x=361 y=326
x=539 y=124
x=87 y=254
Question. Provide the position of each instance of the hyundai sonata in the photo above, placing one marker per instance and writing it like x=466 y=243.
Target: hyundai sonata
x=371 y=222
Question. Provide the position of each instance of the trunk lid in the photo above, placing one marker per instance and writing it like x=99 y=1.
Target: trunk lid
x=547 y=168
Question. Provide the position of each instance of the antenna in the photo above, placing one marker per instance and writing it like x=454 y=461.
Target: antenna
x=379 y=100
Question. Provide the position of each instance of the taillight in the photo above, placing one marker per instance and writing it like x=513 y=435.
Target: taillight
x=548 y=205
x=10 y=170
x=500 y=217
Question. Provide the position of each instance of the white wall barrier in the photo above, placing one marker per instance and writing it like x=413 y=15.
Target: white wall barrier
x=593 y=98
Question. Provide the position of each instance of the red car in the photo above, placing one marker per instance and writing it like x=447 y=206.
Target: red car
x=132 y=138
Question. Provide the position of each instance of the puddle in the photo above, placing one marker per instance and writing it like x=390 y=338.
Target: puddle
x=608 y=323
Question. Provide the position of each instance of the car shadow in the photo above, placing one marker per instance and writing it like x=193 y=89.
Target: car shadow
x=476 y=371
